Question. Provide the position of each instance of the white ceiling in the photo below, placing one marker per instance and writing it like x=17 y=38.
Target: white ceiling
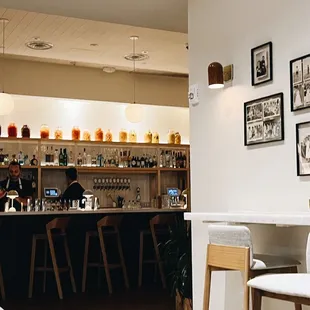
x=72 y=38
x=168 y=15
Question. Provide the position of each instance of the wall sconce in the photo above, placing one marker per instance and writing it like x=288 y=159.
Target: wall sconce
x=218 y=75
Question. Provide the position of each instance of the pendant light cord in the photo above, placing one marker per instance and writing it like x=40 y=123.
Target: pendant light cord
x=134 y=70
x=3 y=39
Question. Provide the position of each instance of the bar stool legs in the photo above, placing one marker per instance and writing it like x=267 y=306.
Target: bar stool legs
x=122 y=259
x=2 y=284
x=32 y=262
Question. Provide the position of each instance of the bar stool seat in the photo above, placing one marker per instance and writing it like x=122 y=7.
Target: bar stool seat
x=284 y=284
x=55 y=229
x=265 y=262
x=112 y=222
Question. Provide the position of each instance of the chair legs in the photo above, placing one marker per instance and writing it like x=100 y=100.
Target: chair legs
x=85 y=262
x=69 y=264
x=122 y=259
x=2 y=284
x=257 y=299
x=32 y=262
x=207 y=288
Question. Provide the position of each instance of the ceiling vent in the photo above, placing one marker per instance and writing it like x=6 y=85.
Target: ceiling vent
x=136 y=56
x=39 y=45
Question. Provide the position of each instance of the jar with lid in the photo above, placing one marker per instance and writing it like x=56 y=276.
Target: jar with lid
x=171 y=137
x=75 y=133
x=155 y=137
x=12 y=130
x=177 y=138
x=148 y=137
x=123 y=136
x=108 y=136
x=132 y=136
x=25 y=131
x=86 y=135
x=58 y=134
x=44 y=132
x=98 y=134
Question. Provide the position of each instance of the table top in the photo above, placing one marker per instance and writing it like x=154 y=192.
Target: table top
x=99 y=211
x=249 y=217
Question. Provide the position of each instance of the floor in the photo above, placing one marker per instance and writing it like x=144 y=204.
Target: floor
x=133 y=300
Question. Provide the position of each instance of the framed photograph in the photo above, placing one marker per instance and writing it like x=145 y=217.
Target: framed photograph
x=300 y=83
x=303 y=148
x=261 y=64
x=264 y=120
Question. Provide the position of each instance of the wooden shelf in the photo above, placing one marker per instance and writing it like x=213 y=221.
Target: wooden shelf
x=173 y=169
x=23 y=167
x=97 y=143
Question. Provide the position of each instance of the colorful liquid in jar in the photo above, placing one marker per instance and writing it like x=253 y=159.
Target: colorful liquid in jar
x=12 y=130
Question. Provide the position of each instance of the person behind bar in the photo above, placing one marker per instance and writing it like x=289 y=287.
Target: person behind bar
x=15 y=182
x=74 y=190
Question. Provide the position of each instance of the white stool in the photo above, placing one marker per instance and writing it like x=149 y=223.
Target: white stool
x=230 y=248
x=289 y=287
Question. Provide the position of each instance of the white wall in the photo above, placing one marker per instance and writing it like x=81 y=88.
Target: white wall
x=66 y=113
x=230 y=175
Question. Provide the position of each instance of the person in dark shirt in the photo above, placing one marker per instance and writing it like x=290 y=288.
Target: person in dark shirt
x=74 y=190
x=15 y=182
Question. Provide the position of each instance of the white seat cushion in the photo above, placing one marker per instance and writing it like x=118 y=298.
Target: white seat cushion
x=261 y=262
x=294 y=284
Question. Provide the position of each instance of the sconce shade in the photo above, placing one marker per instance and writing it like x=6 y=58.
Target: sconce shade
x=216 y=76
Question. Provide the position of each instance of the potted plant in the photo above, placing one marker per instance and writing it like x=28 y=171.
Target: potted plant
x=177 y=257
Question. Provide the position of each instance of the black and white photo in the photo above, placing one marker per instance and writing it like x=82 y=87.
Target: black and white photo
x=263 y=120
x=261 y=58
x=303 y=148
x=300 y=83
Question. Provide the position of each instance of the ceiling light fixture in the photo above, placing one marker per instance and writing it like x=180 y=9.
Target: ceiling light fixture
x=133 y=111
x=108 y=69
x=6 y=100
x=39 y=45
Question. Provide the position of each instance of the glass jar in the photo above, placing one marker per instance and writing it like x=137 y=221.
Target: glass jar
x=75 y=133
x=123 y=136
x=58 y=134
x=98 y=134
x=171 y=137
x=86 y=135
x=148 y=137
x=177 y=138
x=155 y=137
x=12 y=130
x=132 y=136
x=44 y=132
x=25 y=131
x=108 y=136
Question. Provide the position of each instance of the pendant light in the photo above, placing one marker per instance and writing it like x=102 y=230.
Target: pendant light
x=134 y=111
x=6 y=100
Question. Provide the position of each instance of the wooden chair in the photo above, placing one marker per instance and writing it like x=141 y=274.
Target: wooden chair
x=54 y=229
x=288 y=287
x=162 y=221
x=230 y=249
x=113 y=222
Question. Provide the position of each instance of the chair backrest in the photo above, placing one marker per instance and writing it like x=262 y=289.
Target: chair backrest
x=231 y=236
x=58 y=223
x=163 y=219
x=110 y=221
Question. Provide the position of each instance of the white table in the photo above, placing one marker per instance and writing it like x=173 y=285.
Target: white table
x=248 y=217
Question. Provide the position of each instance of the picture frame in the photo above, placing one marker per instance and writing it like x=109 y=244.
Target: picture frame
x=300 y=83
x=261 y=64
x=264 y=120
x=302 y=148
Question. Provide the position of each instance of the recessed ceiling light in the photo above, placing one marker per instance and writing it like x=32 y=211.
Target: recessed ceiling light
x=108 y=69
x=144 y=52
x=94 y=44
x=39 y=45
x=136 y=57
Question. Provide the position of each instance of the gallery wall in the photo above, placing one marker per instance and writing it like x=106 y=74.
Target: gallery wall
x=231 y=176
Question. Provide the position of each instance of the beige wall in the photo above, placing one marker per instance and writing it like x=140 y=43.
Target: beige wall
x=62 y=81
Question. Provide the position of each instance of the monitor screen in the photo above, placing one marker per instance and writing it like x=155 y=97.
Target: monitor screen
x=173 y=192
x=50 y=192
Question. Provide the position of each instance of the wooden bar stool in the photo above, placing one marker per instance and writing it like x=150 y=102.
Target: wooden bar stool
x=54 y=229
x=288 y=287
x=162 y=221
x=230 y=248
x=113 y=222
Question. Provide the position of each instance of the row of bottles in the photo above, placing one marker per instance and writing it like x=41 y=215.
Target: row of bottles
x=124 y=136
x=22 y=158
x=172 y=159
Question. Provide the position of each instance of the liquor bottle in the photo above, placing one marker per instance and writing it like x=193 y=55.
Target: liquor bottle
x=151 y=162
x=133 y=162
x=56 y=158
x=71 y=159
x=1 y=157
x=147 y=161
x=52 y=156
x=47 y=157
x=88 y=160
x=84 y=158
x=34 y=161
x=93 y=159
x=79 y=161
x=143 y=161
x=14 y=158
x=155 y=161
x=184 y=161
x=20 y=158
x=61 y=158
x=138 y=162
x=65 y=157
x=98 y=160
x=33 y=185
x=26 y=160
x=161 y=159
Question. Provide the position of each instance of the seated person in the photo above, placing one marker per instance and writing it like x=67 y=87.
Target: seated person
x=15 y=182
x=74 y=190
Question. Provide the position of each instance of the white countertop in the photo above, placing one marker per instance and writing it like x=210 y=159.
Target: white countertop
x=249 y=217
